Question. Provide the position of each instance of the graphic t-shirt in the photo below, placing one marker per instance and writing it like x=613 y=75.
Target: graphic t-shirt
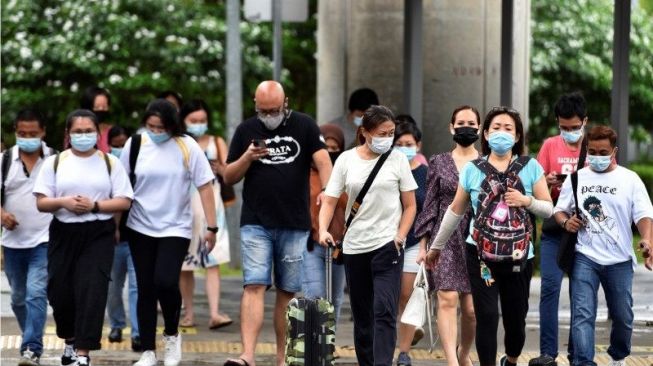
x=378 y=217
x=276 y=187
x=609 y=203
x=556 y=156
x=472 y=177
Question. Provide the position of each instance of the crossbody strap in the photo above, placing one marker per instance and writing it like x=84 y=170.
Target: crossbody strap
x=6 y=163
x=134 y=149
x=366 y=187
x=574 y=175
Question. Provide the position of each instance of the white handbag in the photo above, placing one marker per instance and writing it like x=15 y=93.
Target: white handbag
x=418 y=308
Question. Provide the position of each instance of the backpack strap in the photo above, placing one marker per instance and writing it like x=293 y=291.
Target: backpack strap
x=6 y=163
x=106 y=161
x=518 y=164
x=56 y=162
x=184 y=151
x=134 y=149
x=485 y=167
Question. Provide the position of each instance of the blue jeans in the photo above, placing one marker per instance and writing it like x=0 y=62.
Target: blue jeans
x=263 y=248
x=27 y=272
x=617 y=283
x=122 y=266
x=314 y=277
x=550 y=296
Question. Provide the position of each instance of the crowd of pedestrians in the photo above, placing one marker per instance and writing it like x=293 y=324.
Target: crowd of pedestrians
x=149 y=209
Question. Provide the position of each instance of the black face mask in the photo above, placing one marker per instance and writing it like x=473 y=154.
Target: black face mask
x=465 y=136
x=102 y=116
x=334 y=155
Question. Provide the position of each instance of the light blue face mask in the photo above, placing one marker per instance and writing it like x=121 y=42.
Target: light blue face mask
x=28 y=145
x=358 y=121
x=572 y=137
x=116 y=151
x=197 y=129
x=599 y=163
x=83 y=141
x=409 y=151
x=501 y=142
x=158 y=138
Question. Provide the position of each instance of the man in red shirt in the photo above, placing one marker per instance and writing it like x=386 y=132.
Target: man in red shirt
x=559 y=158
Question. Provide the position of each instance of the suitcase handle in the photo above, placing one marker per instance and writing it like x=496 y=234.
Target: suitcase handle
x=328 y=275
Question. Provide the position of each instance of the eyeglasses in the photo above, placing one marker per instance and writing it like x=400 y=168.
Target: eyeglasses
x=269 y=112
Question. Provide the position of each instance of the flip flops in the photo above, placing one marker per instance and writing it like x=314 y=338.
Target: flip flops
x=235 y=362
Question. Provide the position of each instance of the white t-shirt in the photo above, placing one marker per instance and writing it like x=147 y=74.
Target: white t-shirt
x=609 y=203
x=378 y=217
x=84 y=176
x=161 y=206
x=32 y=228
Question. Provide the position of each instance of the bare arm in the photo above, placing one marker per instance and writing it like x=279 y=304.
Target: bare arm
x=208 y=205
x=323 y=163
x=234 y=172
x=324 y=220
x=407 y=216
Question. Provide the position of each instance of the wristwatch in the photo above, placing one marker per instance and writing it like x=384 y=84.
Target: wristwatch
x=96 y=208
x=213 y=229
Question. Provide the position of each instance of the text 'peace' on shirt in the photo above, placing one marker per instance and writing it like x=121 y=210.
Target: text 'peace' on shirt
x=276 y=188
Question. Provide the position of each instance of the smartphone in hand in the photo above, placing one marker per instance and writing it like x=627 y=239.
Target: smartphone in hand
x=260 y=143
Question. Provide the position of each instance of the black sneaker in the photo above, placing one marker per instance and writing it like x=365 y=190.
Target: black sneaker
x=403 y=359
x=115 y=336
x=543 y=360
x=83 y=361
x=136 y=344
x=28 y=358
x=504 y=361
x=69 y=356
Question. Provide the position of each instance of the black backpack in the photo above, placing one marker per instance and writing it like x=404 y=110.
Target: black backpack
x=502 y=233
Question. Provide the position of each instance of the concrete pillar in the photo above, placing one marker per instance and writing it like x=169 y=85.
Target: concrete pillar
x=521 y=57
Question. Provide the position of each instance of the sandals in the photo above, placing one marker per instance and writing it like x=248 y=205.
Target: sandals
x=235 y=362
x=218 y=323
x=186 y=323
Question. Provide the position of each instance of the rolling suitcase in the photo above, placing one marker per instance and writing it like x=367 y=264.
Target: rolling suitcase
x=311 y=334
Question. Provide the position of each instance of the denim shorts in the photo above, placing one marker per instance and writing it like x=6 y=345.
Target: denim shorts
x=263 y=249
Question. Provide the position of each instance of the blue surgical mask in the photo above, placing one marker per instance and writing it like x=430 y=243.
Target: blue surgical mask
x=358 y=121
x=28 y=145
x=409 y=151
x=158 y=138
x=197 y=129
x=381 y=145
x=599 y=163
x=572 y=137
x=83 y=141
x=501 y=142
x=116 y=151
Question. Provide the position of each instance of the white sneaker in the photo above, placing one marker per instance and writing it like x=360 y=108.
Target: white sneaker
x=617 y=363
x=148 y=358
x=172 y=355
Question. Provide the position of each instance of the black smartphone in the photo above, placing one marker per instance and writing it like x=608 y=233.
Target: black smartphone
x=561 y=177
x=260 y=143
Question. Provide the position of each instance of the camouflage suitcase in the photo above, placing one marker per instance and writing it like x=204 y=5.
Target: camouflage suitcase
x=311 y=334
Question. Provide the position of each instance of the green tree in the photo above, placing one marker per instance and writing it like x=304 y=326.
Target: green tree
x=53 y=50
x=572 y=50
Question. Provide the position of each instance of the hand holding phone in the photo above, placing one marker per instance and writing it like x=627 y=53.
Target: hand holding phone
x=260 y=143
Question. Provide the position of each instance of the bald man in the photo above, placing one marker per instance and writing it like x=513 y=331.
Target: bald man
x=273 y=152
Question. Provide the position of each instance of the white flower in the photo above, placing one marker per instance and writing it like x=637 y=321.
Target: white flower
x=20 y=36
x=115 y=47
x=132 y=70
x=101 y=57
x=170 y=8
x=171 y=38
x=193 y=78
x=74 y=87
x=56 y=83
x=25 y=52
x=37 y=65
x=67 y=25
x=156 y=75
x=115 y=78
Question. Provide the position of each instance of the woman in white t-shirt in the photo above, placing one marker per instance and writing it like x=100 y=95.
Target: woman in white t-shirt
x=159 y=222
x=373 y=244
x=196 y=117
x=83 y=187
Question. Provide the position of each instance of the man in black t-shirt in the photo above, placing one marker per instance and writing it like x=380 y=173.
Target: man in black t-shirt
x=273 y=152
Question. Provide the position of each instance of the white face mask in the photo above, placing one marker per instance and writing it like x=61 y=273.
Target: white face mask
x=271 y=122
x=381 y=145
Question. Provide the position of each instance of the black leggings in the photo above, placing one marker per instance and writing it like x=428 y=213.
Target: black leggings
x=157 y=262
x=512 y=289
x=80 y=256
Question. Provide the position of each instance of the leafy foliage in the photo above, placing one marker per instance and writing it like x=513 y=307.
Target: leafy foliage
x=572 y=50
x=53 y=50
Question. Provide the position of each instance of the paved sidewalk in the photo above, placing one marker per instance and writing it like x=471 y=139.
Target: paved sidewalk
x=203 y=346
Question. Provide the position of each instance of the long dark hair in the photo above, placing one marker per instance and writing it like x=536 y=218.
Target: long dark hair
x=167 y=112
x=89 y=95
x=191 y=106
x=518 y=149
x=373 y=117
x=464 y=108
